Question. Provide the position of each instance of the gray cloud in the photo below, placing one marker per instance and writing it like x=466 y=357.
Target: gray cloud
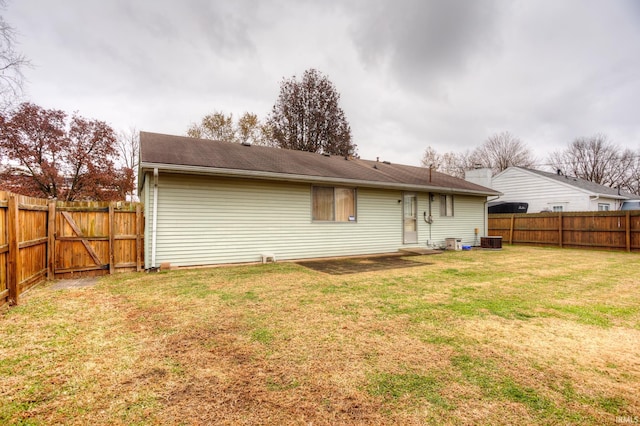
x=411 y=73
x=424 y=42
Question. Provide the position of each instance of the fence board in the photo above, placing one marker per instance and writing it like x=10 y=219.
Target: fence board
x=42 y=239
x=13 y=266
x=612 y=230
x=4 y=249
x=112 y=231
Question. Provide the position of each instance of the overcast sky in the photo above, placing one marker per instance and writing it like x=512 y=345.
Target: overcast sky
x=411 y=73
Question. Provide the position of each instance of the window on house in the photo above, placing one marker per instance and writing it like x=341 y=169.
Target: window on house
x=557 y=208
x=333 y=204
x=446 y=205
x=603 y=207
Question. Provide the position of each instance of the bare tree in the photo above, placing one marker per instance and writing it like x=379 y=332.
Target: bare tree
x=128 y=145
x=599 y=160
x=431 y=158
x=451 y=163
x=11 y=65
x=503 y=150
x=463 y=161
x=307 y=117
x=634 y=176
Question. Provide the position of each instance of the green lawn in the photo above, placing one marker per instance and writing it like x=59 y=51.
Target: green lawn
x=517 y=336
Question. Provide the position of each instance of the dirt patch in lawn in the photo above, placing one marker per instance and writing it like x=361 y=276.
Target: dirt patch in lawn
x=75 y=283
x=346 y=266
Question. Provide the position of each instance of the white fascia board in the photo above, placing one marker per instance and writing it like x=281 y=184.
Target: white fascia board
x=613 y=197
x=285 y=177
x=141 y=179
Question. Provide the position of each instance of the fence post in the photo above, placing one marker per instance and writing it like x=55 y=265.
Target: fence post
x=628 y=230
x=51 y=247
x=111 y=237
x=560 y=229
x=513 y=219
x=14 y=247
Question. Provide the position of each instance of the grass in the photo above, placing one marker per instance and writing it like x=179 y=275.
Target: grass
x=519 y=336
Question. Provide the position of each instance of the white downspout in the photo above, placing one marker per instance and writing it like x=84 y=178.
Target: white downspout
x=485 y=218
x=485 y=215
x=154 y=225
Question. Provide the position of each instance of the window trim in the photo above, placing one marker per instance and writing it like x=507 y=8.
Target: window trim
x=353 y=190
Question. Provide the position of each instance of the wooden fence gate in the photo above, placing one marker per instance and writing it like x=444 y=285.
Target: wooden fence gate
x=95 y=238
x=42 y=239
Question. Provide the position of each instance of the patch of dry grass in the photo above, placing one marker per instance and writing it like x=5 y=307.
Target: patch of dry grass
x=522 y=335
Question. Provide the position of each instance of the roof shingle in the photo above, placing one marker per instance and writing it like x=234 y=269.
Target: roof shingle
x=166 y=150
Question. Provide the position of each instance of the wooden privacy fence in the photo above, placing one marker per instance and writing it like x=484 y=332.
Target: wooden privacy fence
x=42 y=239
x=612 y=230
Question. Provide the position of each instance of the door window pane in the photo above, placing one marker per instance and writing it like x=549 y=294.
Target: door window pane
x=410 y=213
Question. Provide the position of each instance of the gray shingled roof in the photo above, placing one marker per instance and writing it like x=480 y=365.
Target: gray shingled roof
x=583 y=184
x=179 y=153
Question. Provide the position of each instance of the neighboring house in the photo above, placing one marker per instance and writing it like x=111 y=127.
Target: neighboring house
x=210 y=202
x=555 y=192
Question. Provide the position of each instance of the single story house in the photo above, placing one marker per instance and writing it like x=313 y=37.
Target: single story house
x=545 y=191
x=210 y=202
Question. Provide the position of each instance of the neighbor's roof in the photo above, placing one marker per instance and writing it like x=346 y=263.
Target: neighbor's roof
x=583 y=184
x=181 y=154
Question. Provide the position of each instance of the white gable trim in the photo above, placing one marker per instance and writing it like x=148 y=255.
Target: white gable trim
x=565 y=184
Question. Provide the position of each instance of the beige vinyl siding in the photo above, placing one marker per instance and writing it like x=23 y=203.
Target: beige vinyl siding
x=208 y=220
x=468 y=214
